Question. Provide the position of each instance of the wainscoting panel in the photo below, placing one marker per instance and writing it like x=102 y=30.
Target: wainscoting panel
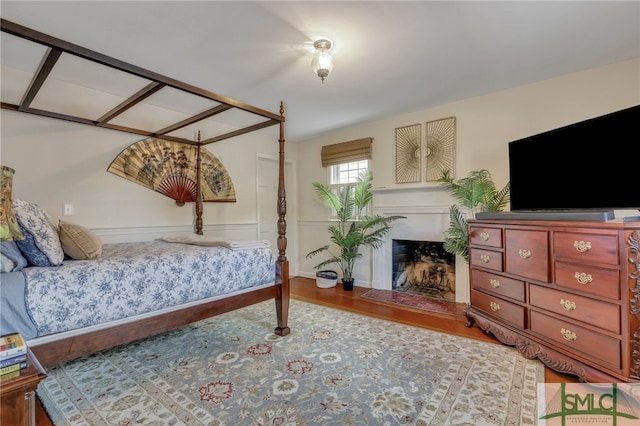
x=149 y=233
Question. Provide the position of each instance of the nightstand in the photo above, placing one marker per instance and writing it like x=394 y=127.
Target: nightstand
x=18 y=394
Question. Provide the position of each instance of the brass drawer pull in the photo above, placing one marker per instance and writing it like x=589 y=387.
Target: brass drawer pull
x=583 y=278
x=582 y=246
x=524 y=253
x=485 y=258
x=568 y=335
x=494 y=283
x=494 y=306
x=568 y=305
x=484 y=236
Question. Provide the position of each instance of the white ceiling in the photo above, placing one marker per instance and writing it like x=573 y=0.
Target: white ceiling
x=391 y=57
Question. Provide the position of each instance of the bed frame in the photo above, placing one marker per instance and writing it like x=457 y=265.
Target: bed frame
x=85 y=344
x=72 y=347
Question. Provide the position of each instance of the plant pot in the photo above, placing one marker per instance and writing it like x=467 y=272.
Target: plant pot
x=326 y=279
x=347 y=285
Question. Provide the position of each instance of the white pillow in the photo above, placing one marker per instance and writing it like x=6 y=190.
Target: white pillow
x=37 y=222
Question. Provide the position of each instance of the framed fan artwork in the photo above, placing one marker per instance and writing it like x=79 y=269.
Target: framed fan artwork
x=440 y=148
x=408 y=153
x=171 y=168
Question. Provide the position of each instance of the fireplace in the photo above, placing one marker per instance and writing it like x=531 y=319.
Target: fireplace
x=423 y=267
x=426 y=209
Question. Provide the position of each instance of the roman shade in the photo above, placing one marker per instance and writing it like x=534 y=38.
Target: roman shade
x=344 y=152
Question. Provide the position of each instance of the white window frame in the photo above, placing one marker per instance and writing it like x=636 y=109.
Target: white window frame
x=340 y=175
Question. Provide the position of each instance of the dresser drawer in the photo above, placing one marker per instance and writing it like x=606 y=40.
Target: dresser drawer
x=601 y=282
x=485 y=259
x=527 y=254
x=586 y=247
x=506 y=311
x=501 y=286
x=594 y=346
x=579 y=308
x=491 y=237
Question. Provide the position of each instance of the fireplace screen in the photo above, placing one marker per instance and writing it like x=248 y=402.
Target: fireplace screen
x=423 y=267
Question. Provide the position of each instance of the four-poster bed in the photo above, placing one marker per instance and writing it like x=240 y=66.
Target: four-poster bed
x=79 y=342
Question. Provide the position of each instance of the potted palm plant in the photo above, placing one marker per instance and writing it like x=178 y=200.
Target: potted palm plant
x=478 y=193
x=354 y=228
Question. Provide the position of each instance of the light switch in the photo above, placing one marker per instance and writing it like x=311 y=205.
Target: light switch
x=68 y=209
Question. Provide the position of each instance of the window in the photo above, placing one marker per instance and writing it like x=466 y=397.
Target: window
x=342 y=174
x=345 y=162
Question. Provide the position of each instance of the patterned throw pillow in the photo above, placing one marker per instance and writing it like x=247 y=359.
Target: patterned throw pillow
x=41 y=235
x=31 y=251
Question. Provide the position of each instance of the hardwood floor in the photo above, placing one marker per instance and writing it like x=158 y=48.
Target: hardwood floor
x=305 y=289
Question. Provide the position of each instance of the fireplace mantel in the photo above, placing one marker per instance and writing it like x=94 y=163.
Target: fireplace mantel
x=423 y=187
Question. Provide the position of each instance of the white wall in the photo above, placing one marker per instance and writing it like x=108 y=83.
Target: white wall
x=485 y=125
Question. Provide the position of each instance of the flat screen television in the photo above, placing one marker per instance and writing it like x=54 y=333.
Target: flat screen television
x=583 y=171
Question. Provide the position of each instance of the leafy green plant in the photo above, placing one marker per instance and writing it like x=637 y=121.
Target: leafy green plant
x=477 y=193
x=354 y=228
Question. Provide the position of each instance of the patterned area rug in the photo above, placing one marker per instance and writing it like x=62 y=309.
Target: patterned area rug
x=335 y=368
x=417 y=301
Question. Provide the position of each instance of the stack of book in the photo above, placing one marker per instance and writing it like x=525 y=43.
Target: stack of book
x=13 y=355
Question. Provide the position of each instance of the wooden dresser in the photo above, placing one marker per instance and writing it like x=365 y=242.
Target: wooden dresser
x=565 y=292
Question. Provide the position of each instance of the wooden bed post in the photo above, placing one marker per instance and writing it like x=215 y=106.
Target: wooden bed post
x=282 y=266
x=198 y=190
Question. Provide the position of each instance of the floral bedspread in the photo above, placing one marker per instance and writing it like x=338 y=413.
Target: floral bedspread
x=136 y=278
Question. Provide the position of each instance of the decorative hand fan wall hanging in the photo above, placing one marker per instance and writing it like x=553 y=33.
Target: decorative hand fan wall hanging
x=171 y=168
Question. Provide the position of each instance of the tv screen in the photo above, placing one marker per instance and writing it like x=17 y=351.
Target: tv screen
x=590 y=165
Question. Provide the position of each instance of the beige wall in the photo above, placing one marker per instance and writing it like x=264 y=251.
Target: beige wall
x=485 y=125
x=58 y=162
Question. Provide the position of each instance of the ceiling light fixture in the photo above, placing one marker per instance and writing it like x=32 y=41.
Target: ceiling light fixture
x=322 y=62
